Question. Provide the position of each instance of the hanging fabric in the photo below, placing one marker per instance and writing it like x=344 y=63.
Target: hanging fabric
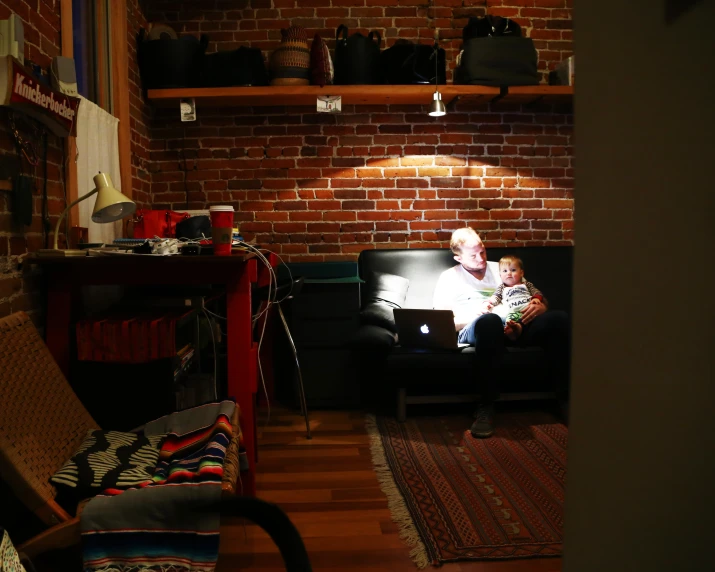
x=97 y=150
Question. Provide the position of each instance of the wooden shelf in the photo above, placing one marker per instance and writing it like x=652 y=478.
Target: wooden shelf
x=530 y=94
x=359 y=95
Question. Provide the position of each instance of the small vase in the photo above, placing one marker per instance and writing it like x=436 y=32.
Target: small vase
x=290 y=63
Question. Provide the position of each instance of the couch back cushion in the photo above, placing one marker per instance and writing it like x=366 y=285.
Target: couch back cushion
x=549 y=268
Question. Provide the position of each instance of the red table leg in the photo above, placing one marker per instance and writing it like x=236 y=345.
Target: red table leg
x=241 y=370
x=57 y=323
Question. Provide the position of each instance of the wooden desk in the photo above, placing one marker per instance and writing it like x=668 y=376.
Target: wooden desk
x=236 y=273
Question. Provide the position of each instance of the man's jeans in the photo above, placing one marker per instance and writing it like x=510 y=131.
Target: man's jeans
x=551 y=331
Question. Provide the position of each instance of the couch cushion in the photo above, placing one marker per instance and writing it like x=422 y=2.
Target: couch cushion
x=386 y=292
x=388 y=288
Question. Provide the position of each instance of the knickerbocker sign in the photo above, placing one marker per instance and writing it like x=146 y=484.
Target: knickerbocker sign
x=21 y=90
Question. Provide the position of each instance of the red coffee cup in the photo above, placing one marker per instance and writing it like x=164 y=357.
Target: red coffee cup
x=221 y=229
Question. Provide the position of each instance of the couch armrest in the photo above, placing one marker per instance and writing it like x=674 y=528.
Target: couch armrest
x=370 y=337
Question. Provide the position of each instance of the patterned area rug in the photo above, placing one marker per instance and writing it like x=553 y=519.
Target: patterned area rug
x=459 y=498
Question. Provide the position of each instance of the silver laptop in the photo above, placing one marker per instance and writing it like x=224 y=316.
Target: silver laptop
x=434 y=329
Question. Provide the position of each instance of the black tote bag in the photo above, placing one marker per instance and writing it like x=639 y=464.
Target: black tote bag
x=498 y=61
x=244 y=67
x=410 y=63
x=357 y=58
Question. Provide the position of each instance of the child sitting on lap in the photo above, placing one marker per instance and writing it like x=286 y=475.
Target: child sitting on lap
x=513 y=295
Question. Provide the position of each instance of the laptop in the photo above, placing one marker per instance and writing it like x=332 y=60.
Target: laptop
x=433 y=329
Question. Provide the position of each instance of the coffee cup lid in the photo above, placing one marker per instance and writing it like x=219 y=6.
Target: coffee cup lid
x=221 y=208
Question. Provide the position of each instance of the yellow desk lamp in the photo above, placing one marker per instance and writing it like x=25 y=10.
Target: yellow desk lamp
x=111 y=205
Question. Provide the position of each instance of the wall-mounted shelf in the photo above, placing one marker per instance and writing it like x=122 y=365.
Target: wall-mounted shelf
x=360 y=95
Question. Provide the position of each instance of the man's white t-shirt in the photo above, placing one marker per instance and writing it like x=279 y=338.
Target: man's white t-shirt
x=461 y=292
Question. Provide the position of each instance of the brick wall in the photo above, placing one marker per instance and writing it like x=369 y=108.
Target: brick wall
x=19 y=289
x=325 y=187
x=140 y=112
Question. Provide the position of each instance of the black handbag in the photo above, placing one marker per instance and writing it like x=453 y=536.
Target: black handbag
x=490 y=26
x=357 y=58
x=241 y=67
x=409 y=63
x=498 y=61
x=170 y=63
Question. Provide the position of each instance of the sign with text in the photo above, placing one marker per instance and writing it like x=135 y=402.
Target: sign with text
x=21 y=90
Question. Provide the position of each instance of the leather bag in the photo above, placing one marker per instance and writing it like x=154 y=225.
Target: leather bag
x=498 y=61
x=170 y=63
x=409 y=63
x=241 y=67
x=357 y=58
x=490 y=26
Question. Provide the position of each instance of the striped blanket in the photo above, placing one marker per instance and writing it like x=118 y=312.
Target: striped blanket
x=165 y=525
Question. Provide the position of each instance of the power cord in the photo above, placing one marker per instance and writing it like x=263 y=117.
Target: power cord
x=213 y=342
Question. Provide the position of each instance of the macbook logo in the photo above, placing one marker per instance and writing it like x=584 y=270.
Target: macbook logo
x=424 y=329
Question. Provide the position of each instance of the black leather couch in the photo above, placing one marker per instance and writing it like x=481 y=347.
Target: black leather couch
x=433 y=376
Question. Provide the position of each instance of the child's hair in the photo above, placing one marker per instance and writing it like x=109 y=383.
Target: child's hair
x=510 y=259
x=462 y=236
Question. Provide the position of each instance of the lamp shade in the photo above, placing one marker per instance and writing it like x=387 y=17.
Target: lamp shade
x=437 y=109
x=111 y=204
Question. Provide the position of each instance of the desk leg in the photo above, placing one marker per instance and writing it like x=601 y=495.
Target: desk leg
x=57 y=322
x=241 y=372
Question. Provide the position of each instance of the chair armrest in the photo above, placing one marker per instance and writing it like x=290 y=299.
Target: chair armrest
x=63 y=535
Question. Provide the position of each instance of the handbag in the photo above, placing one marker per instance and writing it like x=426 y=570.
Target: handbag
x=170 y=63
x=357 y=58
x=244 y=67
x=321 y=66
x=490 y=26
x=409 y=63
x=161 y=223
x=498 y=61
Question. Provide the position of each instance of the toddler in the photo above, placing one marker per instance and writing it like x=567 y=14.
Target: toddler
x=513 y=294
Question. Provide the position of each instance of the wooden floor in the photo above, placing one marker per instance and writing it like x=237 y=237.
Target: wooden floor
x=329 y=490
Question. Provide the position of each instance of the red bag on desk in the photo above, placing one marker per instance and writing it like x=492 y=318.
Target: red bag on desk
x=149 y=223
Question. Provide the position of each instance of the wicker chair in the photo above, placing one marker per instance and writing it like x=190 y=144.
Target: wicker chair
x=42 y=423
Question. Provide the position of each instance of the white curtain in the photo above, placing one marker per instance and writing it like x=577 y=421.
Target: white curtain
x=97 y=150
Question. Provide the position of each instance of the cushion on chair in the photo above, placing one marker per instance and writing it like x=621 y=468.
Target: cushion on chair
x=109 y=460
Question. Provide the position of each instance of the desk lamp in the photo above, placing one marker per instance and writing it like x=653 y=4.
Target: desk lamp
x=111 y=205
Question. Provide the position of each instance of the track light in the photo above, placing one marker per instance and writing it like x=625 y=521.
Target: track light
x=437 y=109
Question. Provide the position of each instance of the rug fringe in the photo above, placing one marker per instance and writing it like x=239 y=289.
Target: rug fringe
x=395 y=502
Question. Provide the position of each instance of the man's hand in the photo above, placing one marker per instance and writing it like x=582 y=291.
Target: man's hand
x=534 y=309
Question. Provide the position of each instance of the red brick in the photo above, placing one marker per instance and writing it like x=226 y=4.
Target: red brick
x=317 y=155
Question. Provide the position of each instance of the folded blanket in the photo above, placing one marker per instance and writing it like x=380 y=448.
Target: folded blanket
x=165 y=525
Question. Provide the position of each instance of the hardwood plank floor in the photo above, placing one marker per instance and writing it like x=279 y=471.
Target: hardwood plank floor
x=328 y=489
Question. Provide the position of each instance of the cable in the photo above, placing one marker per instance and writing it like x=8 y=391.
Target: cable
x=213 y=342
x=272 y=283
x=214 y=315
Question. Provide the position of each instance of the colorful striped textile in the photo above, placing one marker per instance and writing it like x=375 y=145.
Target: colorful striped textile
x=165 y=525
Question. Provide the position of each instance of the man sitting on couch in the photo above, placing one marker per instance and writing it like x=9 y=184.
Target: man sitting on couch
x=463 y=289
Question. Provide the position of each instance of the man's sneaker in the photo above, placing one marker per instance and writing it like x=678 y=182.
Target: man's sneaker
x=482 y=426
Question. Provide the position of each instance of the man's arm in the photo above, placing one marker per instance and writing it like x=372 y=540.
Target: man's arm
x=536 y=293
x=537 y=306
x=443 y=298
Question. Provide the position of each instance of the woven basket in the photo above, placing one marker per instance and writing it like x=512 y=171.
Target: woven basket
x=290 y=63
